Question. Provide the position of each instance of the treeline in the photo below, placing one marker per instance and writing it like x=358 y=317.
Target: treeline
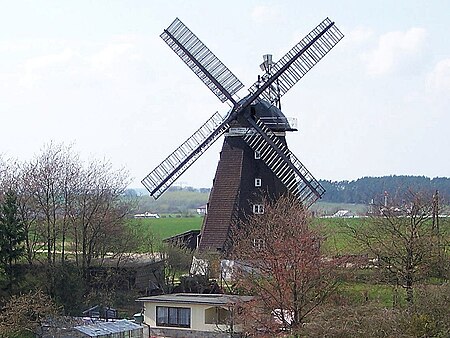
x=360 y=191
x=366 y=189
x=176 y=200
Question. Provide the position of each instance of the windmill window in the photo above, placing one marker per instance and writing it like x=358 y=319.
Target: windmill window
x=257 y=182
x=258 y=243
x=257 y=155
x=258 y=208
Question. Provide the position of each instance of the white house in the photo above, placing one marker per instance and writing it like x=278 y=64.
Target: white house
x=202 y=210
x=192 y=315
x=146 y=215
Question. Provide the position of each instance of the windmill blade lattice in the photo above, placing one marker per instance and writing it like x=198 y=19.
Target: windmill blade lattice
x=299 y=60
x=214 y=74
x=162 y=177
x=284 y=164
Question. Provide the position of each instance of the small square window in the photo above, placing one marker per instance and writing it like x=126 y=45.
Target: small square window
x=257 y=182
x=258 y=243
x=257 y=155
x=258 y=209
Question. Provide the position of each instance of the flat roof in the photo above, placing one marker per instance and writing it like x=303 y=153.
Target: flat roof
x=193 y=231
x=195 y=298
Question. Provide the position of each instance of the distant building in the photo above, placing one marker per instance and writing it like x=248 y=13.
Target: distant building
x=343 y=214
x=146 y=215
x=202 y=210
x=192 y=315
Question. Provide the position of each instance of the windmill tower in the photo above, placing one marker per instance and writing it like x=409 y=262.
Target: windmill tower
x=255 y=159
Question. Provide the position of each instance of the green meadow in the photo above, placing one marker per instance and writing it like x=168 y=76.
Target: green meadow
x=333 y=229
x=156 y=229
x=337 y=240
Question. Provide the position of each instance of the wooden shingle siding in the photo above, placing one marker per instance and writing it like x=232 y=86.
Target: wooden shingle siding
x=222 y=199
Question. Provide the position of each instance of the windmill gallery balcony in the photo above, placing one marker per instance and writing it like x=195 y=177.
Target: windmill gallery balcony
x=273 y=123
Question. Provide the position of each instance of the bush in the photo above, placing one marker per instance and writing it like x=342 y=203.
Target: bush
x=428 y=318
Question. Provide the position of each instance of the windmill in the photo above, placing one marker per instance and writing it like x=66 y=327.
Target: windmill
x=255 y=159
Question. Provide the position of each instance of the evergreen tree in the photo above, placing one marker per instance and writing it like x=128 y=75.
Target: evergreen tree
x=12 y=234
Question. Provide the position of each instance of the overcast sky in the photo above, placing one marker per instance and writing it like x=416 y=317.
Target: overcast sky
x=97 y=74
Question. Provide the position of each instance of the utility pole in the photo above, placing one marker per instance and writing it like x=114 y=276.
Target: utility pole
x=436 y=231
x=436 y=212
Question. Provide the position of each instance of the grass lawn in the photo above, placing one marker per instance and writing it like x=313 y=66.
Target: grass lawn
x=337 y=240
x=381 y=294
x=161 y=228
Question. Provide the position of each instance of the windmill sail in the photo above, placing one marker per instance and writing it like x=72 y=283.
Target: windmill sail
x=298 y=61
x=214 y=74
x=162 y=177
x=284 y=164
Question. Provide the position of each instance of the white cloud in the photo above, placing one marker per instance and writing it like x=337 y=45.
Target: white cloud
x=265 y=14
x=67 y=63
x=439 y=78
x=47 y=60
x=358 y=35
x=13 y=46
x=110 y=55
x=37 y=68
x=393 y=48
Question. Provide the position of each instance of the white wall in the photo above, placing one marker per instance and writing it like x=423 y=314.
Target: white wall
x=197 y=316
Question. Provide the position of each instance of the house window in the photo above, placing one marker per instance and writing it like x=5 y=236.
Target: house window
x=258 y=208
x=257 y=155
x=217 y=315
x=173 y=316
x=257 y=182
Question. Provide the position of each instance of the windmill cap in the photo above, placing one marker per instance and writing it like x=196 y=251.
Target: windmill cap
x=272 y=117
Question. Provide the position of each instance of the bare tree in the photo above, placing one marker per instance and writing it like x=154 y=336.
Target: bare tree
x=45 y=186
x=402 y=239
x=98 y=212
x=72 y=169
x=278 y=260
x=28 y=212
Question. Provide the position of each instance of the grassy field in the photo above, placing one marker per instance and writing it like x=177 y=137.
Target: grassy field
x=381 y=294
x=337 y=242
x=160 y=228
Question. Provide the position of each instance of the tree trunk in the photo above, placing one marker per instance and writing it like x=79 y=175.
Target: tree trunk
x=409 y=288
